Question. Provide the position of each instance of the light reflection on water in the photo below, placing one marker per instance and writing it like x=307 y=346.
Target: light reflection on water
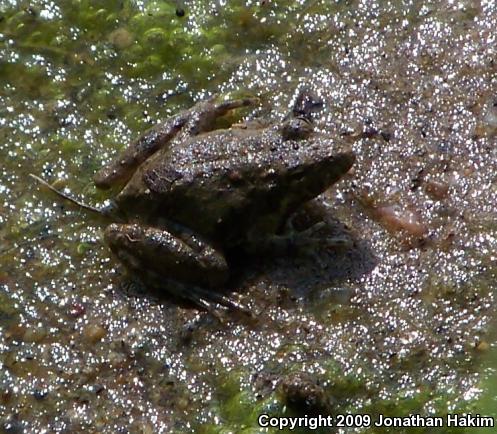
x=70 y=99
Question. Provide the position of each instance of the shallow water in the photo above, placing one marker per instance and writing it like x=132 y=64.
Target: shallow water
x=400 y=323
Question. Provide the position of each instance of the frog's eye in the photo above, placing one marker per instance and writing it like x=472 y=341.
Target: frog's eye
x=296 y=129
x=307 y=103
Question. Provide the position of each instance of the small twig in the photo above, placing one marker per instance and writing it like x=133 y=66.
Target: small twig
x=67 y=197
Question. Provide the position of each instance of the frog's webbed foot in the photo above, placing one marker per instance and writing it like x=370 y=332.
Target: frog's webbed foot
x=312 y=238
x=181 y=266
x=307 y=102
x=204 y=299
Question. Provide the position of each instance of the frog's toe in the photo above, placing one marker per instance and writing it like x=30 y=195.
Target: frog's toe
x=339 y=242
x=206 y=297
x=312 y=230
x=225 y=106
x=313 y=243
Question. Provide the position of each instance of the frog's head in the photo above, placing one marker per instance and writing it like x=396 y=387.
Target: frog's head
x=310 y=166
x=307 y=168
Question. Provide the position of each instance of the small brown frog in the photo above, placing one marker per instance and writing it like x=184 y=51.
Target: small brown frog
x=193 y=195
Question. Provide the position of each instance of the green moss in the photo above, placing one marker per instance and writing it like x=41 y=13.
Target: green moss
x=271 y=405
x=83 y=248
x=7 y=306
x=155 y=37
x=234 y=409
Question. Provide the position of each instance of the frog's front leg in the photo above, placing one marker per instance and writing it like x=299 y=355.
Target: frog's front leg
x=160 y=259
x=307 y=241
x=198 y=119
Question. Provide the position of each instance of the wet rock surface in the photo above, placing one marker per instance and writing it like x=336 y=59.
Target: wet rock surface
x=396 y=324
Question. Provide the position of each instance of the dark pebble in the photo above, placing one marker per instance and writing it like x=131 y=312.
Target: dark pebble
x=386 y=136
x=40 y=394
x=12 y=426
x=303 y=393
x=76 y=310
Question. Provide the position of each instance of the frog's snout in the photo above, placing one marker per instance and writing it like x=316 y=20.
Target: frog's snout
x=346 y=160
x=330 y=170
x=339 y=165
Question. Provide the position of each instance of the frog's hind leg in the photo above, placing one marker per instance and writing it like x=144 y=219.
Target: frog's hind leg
x=198 y=119
x=181 y=266
x=120 y=170
x=225 y=106
x=204 y=114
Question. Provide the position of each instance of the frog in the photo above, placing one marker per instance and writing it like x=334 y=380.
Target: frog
x=192 y=194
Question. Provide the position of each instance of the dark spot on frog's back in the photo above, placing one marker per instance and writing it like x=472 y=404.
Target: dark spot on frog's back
x=160 y=180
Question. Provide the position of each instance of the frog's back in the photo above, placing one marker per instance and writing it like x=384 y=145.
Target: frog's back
x=211 y=159
x=206 y=182
x=227 y=184
x=207 y=154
